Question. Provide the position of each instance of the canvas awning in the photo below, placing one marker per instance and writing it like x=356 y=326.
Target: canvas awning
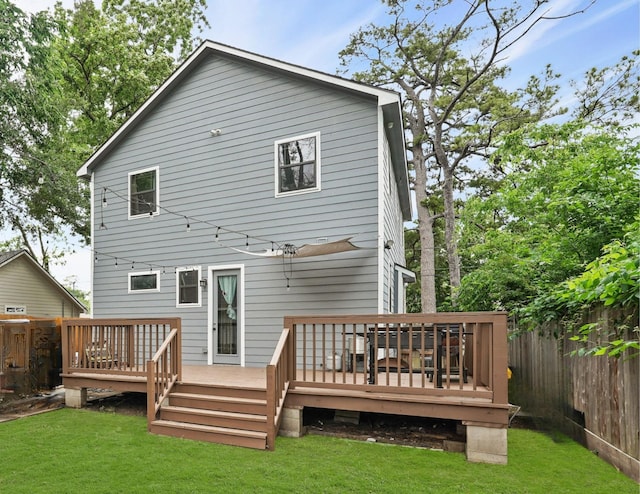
x=307 y=250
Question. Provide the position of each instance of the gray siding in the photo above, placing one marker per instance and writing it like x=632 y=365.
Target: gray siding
x=229 y=181
x=22 y=284
x=393 y=230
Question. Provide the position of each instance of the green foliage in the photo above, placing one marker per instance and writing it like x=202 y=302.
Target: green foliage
x=570 y=191
x=612 y=280
x=69 y=79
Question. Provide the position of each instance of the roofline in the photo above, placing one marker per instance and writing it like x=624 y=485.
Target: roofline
x=46 y=273
x=384 y=96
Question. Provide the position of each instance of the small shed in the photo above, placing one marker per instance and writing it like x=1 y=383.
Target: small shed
x=27 y=288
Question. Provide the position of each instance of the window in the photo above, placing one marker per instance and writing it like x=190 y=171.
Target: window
x=148 y=281
x=298 y=164
x=188 y=287
x=15 y=309
x=143 y=193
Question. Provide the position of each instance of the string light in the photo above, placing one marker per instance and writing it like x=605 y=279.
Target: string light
x=287 y=249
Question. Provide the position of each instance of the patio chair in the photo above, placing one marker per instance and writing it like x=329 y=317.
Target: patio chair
x=99 y=355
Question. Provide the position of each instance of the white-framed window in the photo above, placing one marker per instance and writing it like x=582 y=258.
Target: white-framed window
x=15 y=309
x=144 y=281
x=297 y=164
x=144 y=193
x=188 y=292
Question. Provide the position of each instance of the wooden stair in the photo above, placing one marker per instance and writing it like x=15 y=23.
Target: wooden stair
x=221 y=414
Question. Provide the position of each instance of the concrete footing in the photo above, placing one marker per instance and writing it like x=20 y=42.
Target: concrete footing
x=292 y=424
x=486 y=444
x=75 y=397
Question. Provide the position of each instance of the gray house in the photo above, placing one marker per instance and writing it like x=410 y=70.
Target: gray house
x=246 y=189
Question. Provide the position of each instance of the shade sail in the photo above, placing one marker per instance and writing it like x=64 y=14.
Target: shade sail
x=307 y=250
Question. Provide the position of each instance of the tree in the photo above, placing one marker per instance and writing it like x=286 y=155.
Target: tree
x=572 y=190
x=71 y=79
x=26 y=115
x=455 y=111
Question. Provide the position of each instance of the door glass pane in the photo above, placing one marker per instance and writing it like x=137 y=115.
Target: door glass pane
x=227 y=315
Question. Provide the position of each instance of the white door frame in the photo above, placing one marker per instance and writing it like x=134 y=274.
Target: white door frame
x=240 y=295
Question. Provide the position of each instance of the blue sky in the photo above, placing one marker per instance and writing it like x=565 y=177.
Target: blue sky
x=312 y=32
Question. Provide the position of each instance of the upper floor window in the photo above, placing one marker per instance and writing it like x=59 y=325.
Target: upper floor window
x=188 y=287
x=148 y=281
x=143 y=192
x=298 y=164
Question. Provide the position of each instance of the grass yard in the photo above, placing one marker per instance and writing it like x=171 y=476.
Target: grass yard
x=82 y=451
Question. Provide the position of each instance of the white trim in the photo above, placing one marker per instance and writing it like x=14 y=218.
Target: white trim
x=188 y=268
x=381 y=232
x=384 y=96
x=143 y=273
x=93 y=242
x=241 y=311
x=139 y=172
x=318 y=160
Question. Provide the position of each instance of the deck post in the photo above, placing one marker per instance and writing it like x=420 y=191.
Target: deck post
x=486 y=443
x=500 y=351
x=292 y=424
x=75 y=397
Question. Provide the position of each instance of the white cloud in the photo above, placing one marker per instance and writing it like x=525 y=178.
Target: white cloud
x=552 y=32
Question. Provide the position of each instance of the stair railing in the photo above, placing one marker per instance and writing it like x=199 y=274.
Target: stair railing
x=163 y=371
x=280 y=372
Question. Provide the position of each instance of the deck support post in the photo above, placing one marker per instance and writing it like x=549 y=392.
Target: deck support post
x=75 y=397
x=486 y=444
x=292 y=424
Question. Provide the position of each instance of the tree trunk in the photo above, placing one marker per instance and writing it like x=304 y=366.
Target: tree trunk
x=451 y=239
x=427 y=241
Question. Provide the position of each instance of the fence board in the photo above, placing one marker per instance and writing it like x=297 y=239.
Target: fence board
x=601 y=394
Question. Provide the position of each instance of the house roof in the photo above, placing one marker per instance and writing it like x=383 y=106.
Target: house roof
x=388 y=100
x=10 y=256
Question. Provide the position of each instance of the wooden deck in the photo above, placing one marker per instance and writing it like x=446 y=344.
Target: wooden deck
x=453 y=367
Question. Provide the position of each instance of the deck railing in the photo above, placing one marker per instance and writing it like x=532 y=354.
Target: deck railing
x=163 y=371
x=439 y=354
x=280 y=372
x=112 y=346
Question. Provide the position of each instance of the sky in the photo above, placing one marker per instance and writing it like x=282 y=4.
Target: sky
x=311 y=33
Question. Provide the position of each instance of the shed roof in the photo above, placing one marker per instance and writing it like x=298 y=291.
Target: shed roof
x=10 y=256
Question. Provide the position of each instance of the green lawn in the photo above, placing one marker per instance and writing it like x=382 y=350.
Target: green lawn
x=70 y=451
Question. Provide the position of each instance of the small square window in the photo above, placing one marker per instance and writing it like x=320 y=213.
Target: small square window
x=188 y=287
x=143 y=193
x=298 y=164
x=144 y=282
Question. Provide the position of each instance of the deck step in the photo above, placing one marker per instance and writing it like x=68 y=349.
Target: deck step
x=219 y=403
x=221 y=414
x=234 y=420
x=220 y=390
x=221 y=435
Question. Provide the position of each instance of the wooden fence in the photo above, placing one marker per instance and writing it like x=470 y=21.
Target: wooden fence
x=596 y=399
x=30 y=354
